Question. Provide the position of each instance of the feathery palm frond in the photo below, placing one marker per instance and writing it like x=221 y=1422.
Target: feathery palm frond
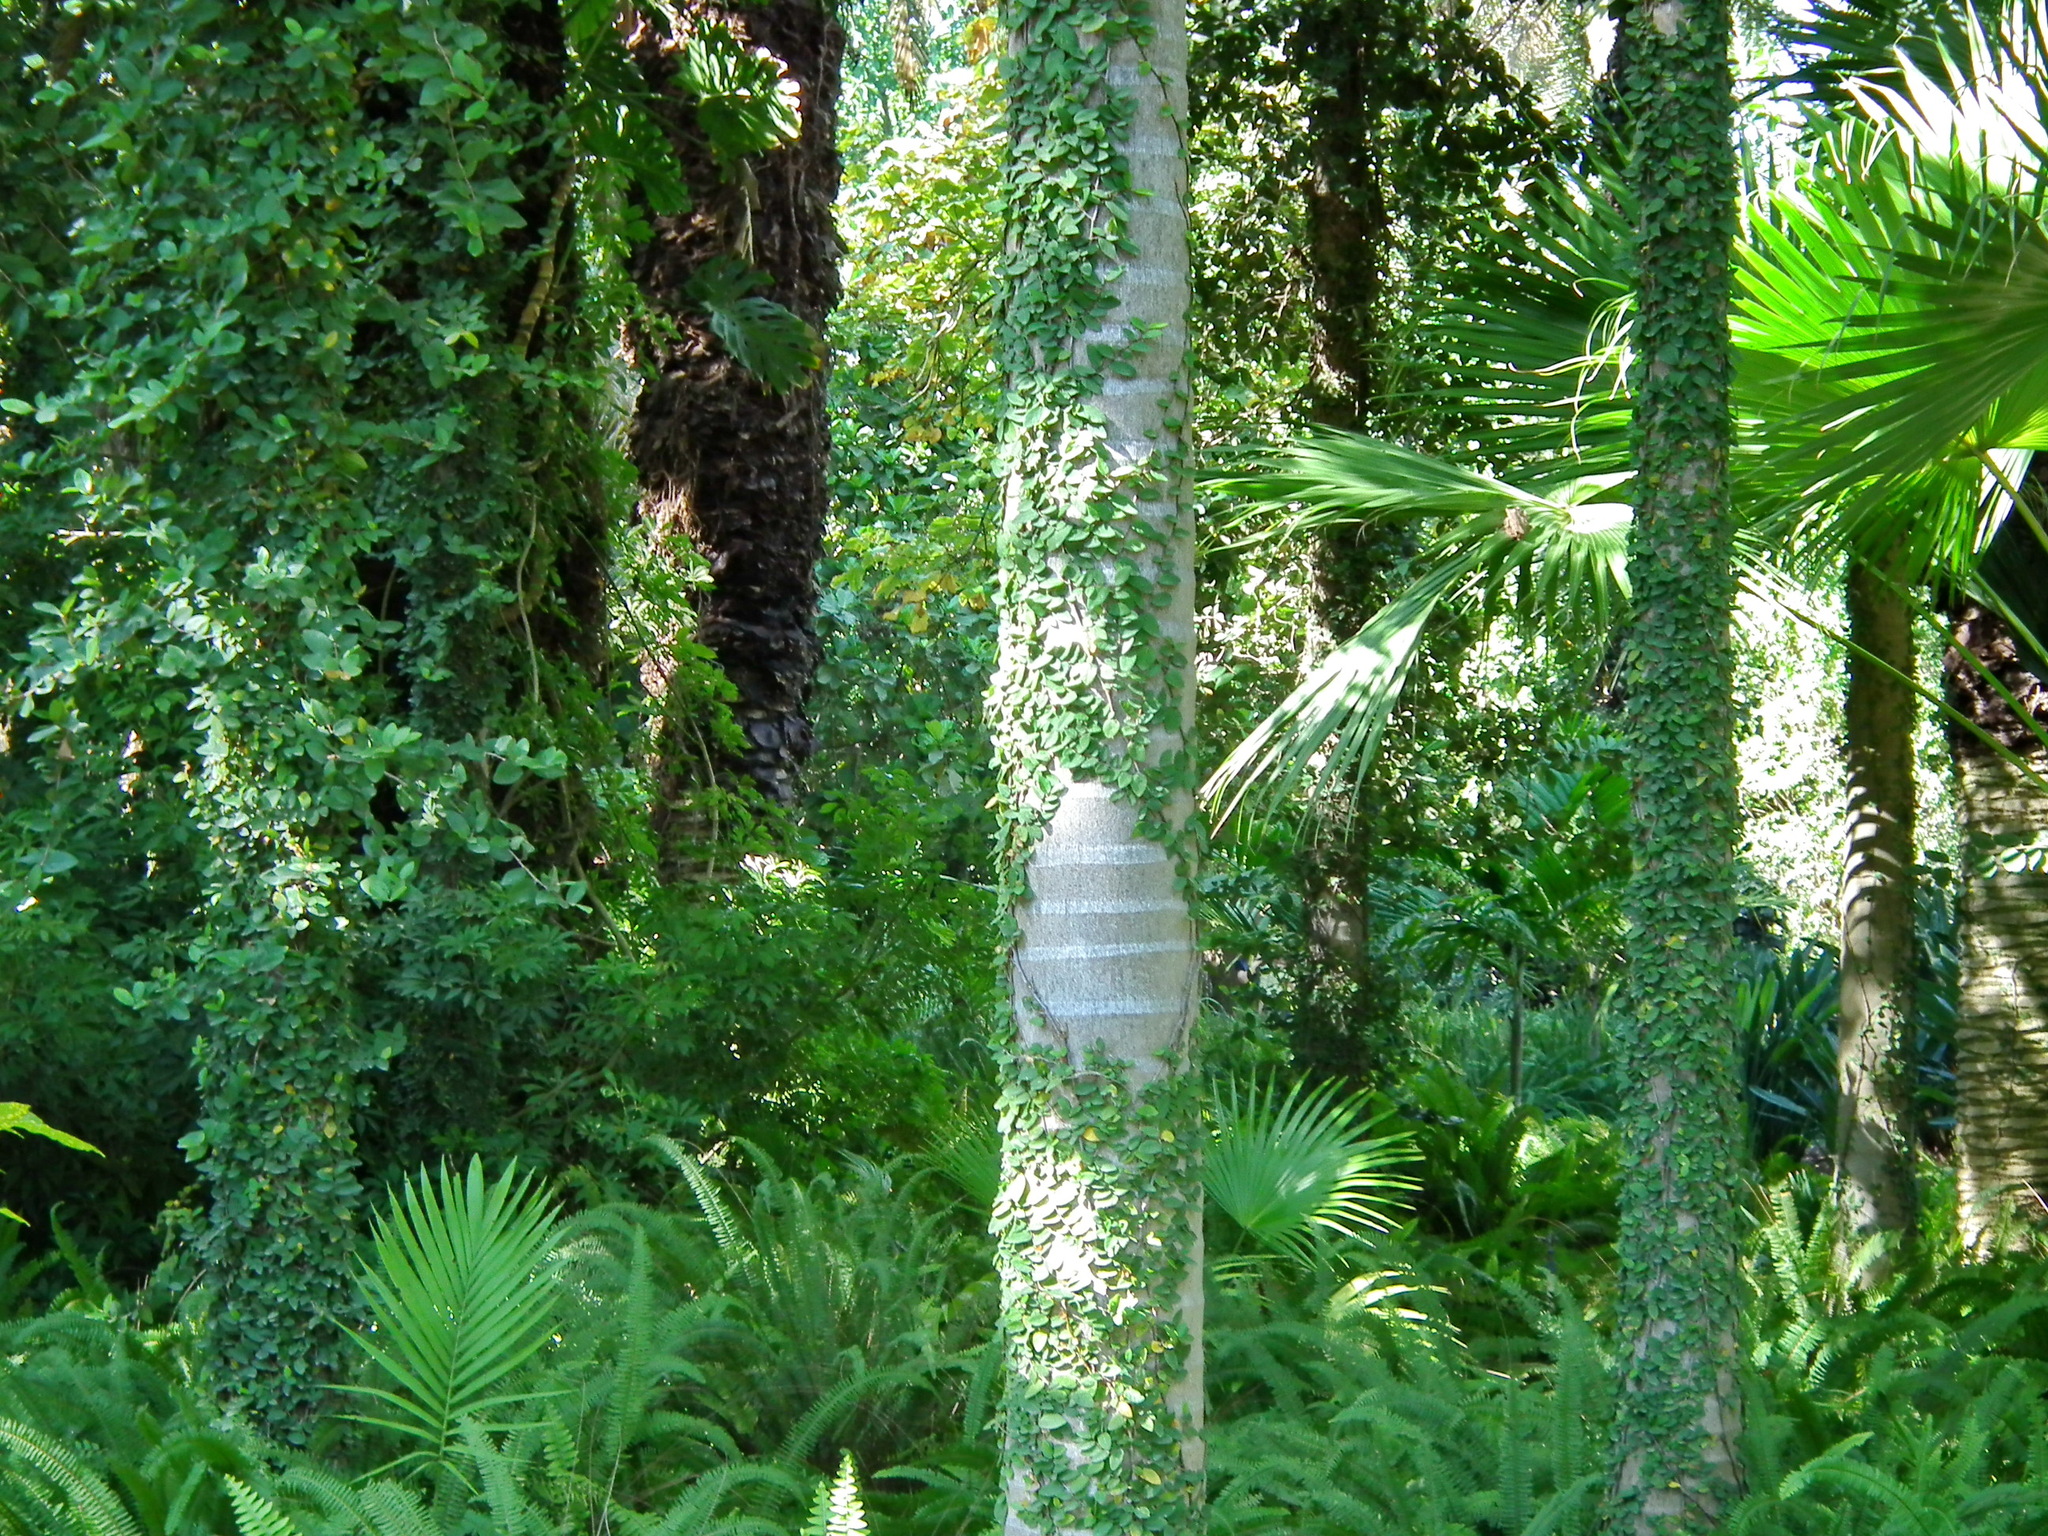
x=462 y=1295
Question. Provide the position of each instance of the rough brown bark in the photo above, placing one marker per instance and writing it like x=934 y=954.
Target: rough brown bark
x=738 y=470
x=1874 y=1188
x=2002 y=1011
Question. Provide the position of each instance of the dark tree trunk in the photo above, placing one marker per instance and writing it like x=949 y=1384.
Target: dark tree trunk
x=736 y=469
x=1873 y=1129
x=1345 y=202
x=1361 y=61
x=2002 y=1007
x=1345 y=1006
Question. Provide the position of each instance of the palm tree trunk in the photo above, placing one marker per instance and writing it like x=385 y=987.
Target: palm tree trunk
x=1098 y=1222
x=1676 y=1464
x=1874 y=1187
x=723 y=461
x=2002 y=1011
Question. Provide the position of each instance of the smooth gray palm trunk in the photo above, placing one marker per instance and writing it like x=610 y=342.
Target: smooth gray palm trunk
x=1098 y=1220
x=1874 y=1188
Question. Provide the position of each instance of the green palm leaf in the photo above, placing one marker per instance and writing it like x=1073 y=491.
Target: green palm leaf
x=1287 y=1167
x=1331 y=724
x=1537 y=330
x=1916 y=264
x=461 y=1295
x=1558 y=555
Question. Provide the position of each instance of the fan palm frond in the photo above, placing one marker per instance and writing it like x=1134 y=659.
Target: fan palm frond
x=1557 y=556
x=1287 y=1167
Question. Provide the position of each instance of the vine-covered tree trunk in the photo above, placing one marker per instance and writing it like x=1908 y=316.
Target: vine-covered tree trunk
x=314 y=538
x=2002 y=1009
x=1678 y=1302
x=1098 y=1222
x=724 y=461
x=1874 y=1188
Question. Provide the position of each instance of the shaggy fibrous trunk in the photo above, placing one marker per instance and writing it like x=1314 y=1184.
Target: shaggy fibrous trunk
x=1098 y=1222
x=1678 y=1303
x=2002 y=1009
x=723 y=461
x=1874 y=1188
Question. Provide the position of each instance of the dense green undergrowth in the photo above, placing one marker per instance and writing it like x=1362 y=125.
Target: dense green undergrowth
x=1408 y=1312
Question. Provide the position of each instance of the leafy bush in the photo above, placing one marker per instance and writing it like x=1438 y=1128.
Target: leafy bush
x=1505 y=1190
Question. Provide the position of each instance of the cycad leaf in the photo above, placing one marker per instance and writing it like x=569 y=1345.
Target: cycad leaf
x=462 y=1295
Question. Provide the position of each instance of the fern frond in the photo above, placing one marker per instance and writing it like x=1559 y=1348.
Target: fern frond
x=837 y=1511
x=254 y=1514
x=90 y=1502
x=388 y=1508
x=731 y=1241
